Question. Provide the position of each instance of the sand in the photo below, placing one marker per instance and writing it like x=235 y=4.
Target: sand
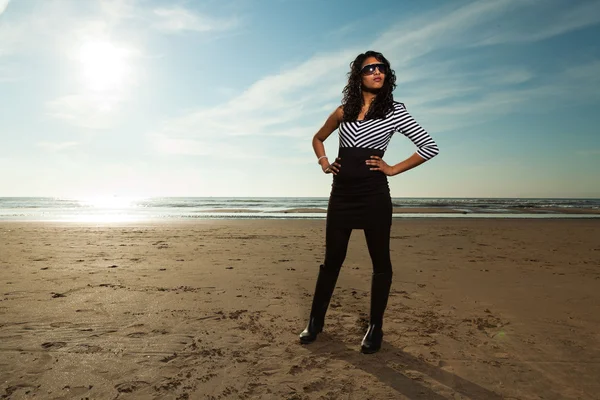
x=479 y=309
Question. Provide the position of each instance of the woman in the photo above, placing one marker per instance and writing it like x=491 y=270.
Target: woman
x=360 y=195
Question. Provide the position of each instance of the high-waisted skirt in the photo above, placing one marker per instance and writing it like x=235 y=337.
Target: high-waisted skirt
x=360 y=198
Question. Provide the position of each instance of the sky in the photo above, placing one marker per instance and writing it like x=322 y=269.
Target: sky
x=222 y=97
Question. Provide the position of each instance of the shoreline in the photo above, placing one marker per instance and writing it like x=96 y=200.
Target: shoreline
x=415 y=210
x=108 y=215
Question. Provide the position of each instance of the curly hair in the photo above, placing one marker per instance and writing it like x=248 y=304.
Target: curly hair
x=352 y=101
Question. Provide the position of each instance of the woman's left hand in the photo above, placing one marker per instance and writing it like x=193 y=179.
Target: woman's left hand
x=377 y=164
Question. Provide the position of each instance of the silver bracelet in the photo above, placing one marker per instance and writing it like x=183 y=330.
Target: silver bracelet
x=319 y=159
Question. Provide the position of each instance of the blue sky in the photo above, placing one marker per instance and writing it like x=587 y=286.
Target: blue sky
x=222 y=98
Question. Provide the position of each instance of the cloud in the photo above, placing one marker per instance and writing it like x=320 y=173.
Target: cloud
x=179 y=19
x=9 y=74
x=445 y=88
x=527 y=26
x=585 y=72
x=273 y=104
x=56 y=146
x=117 y=10
x=590 y=152
x=54 y=21
x=85 y=111
x=267 y=106
x=3 y=5
x=198 y=147
x=68 y=26
x=443 y=27
x=449 y=102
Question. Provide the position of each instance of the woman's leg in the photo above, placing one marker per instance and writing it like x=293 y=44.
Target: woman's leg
x=336 y=246
x=378 y=242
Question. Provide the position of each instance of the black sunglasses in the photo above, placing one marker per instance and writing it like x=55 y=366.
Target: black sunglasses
x=370 y=69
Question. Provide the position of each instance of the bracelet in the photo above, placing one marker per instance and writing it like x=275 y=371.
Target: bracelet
x=319 y=159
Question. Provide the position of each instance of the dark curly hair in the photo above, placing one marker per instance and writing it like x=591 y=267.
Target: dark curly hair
x=352 y=101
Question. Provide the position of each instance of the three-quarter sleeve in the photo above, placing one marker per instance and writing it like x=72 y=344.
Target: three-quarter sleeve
x=406 y=124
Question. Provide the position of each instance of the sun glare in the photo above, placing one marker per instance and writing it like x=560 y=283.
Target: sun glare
x=108 y=202
x=105 y=66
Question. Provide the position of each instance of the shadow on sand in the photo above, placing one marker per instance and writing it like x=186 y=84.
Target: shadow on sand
x=378 y=366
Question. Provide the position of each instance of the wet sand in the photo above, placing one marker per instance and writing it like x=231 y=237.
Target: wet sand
x=479 y=309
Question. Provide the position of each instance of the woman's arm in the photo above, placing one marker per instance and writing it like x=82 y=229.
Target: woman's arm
x=407 y=164
x=426 y=146
x=330 y=125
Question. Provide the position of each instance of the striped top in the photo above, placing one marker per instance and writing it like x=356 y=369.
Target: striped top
x=377 y=133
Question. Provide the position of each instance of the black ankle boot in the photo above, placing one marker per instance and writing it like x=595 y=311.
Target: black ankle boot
x=309 y=334
x=371 y=343
x=323 y=291
x=380 y=291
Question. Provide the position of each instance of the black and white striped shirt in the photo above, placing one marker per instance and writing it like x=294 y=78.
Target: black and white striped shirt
x=376 y=133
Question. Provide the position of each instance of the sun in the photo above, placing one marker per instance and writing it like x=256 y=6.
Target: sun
x=105 y=66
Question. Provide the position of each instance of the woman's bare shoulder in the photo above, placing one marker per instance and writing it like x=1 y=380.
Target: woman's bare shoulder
x=339 y=113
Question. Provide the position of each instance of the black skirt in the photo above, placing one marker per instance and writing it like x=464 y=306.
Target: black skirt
x=360 y=198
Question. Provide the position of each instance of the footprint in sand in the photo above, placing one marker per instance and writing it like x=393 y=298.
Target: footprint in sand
x=39 y=364
x=314 y=386
x=295 y=369
x=168 y=384
x=87 y=349
x=128 y=387
x=60 y=324
x=53 y=345
x=137 y=334
x=169 y=358
x=207 y=377
x=78 y=390
x=15 y=389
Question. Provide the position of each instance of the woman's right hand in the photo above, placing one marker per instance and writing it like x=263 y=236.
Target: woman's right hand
x=333 y=168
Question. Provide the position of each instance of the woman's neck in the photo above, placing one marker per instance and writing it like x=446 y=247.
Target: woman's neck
x=368 y=97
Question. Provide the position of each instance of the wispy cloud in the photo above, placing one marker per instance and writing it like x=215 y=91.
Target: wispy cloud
x=117 y=10
x=8 y=74
x=587 y=72
x=54 y=21
x=3 y=5
x=590 y=152
x=266 y=108
x=525 y=25
x=100 y=80
x=56 y=146
x=67 y=26
x=467 y=100
x=178 y=19
x=444 y=27
x=84 y=111
x=195 y=147
x=438 y=86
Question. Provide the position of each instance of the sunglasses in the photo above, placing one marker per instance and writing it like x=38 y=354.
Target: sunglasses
x=370 y=69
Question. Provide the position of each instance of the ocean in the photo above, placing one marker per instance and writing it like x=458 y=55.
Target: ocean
x=174 y=208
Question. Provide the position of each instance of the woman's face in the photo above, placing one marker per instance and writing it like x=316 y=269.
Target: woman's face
x=373 y=73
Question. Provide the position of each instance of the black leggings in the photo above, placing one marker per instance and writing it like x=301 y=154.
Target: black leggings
x=378 y=242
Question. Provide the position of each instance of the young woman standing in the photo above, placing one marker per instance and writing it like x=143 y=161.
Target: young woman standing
x=360 y=196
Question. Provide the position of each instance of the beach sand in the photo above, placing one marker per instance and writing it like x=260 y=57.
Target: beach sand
x=479 y=309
